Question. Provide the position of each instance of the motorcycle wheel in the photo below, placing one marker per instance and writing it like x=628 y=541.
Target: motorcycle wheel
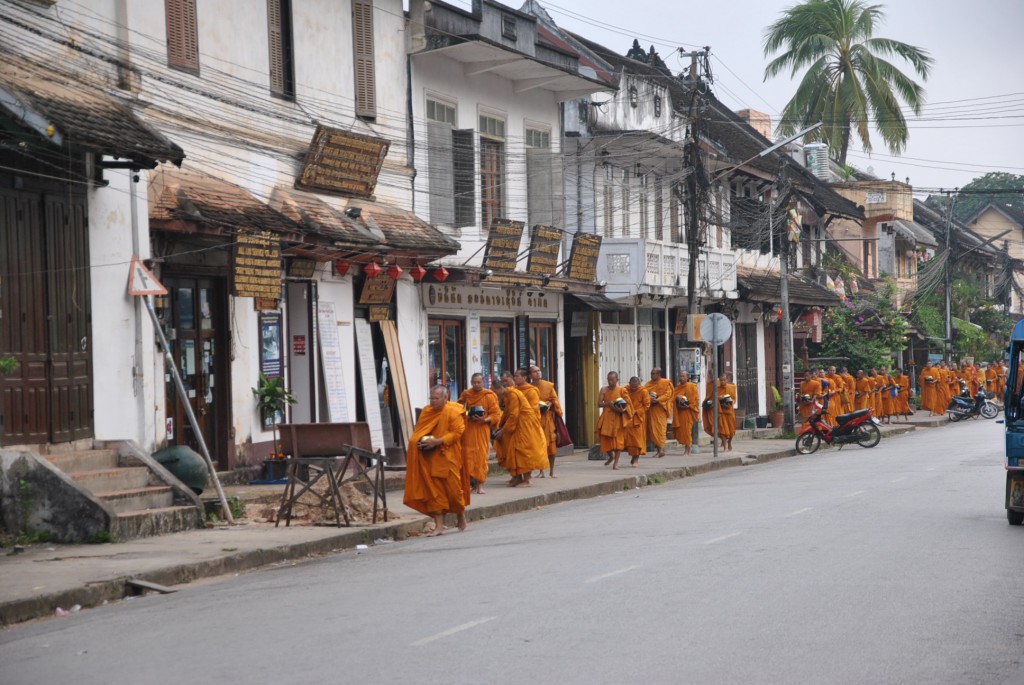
x=808 y=443
x=953 y=416
x=989 y=411
x=868 y=435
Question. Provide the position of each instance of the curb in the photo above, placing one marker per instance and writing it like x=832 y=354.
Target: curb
x=95 y=593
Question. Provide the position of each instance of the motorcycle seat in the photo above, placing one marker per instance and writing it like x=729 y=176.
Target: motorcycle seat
x=843 y=418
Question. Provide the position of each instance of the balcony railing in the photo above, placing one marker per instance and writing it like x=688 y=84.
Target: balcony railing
x=633 y=266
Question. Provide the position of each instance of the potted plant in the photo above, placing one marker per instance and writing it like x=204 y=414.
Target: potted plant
x=776 y=416
x=271 y=399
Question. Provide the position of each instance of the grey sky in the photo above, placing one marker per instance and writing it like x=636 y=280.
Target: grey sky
x=976 y=79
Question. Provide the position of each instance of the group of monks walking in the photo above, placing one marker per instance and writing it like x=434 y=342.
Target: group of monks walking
x=447 y=459
x=941 y=381
x=837 y=391
x=639 y=414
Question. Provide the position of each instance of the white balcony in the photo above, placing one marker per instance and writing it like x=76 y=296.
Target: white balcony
x=634 y=266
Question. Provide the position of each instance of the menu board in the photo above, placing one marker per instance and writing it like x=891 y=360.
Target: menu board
x=502 y=250
x=330 y=359
x=545 y=242
x=342 y=162
x=586 y=248
x=256 y=268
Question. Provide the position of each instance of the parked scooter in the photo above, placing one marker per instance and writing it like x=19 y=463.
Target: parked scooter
x=858 y=427
x=963 y=406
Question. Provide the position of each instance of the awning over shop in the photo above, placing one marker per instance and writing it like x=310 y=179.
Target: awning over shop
x=594 y=301
x=768 y=287
x=71 y=112
x=915 y=233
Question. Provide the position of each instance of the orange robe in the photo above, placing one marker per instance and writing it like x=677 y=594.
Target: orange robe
x=522 y=447
x=726 y=412
x=435 y=482
x=707 y=414
x=636 y=431
x=888 y=401
x=863 y=393
x=657 y=417
x=812 y=388
x=611 y=425
x=546 y=393
x=929 y=389
x=685 y=415
x=849 y=391
x=476 y=441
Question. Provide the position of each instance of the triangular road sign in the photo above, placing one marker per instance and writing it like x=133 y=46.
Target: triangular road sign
x=141 y=281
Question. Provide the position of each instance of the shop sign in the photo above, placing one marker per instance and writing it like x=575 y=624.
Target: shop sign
x=301 y=268
x=580 y=321
x=380 y=312
x=378 y=290
x=545 y=242
x=299 y=345
x=256 y=268
x=342 y=162
x=502 y=249
x=583 y=258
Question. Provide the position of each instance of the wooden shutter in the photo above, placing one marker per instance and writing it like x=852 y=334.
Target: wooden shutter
x=441 y=174
x=538 y=186
x=182 y=35
x=362 y=45
x=276 y=45
x=464 y=167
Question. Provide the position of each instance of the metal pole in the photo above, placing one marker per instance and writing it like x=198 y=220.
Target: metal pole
x=949 y=280
x=714 y=385
x=183 y=396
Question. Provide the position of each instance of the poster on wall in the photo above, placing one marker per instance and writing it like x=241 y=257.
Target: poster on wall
x=271 y=364
x=330 y=359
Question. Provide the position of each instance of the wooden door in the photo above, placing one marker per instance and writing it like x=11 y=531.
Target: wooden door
x=746 y=367
x=771 y=361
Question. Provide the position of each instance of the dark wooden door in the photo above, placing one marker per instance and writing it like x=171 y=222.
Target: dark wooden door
x=45 y=318
x=746 y=367
x=772 y=354
x=196 y=330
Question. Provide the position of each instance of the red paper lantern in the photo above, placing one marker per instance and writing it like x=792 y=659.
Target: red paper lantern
x=418 y=273
x=341 y=267
x=372 y=270
x=395 y=271
x=441 y=274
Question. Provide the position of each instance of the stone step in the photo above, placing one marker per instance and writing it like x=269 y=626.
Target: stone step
x=131 y=524
x=112 y=480
x=157 y=497
x=84 y=460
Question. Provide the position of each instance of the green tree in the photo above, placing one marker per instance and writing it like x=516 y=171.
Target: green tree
x=998 y=187
x=849 y=78
x=867 y=331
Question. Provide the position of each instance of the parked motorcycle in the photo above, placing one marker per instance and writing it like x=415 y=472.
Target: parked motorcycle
x=858 y=427
x=963 y=407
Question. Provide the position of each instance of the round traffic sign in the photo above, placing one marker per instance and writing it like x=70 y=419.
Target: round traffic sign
x=716 y=328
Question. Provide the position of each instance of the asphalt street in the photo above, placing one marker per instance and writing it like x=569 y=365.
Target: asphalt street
x=889 y=565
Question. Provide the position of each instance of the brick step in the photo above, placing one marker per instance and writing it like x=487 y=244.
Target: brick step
x=131 y=524
x=157 y=497
x=112 y=480
x=84 y=460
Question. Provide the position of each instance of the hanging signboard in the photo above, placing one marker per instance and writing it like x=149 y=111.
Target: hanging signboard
x=378 y=290
x=342 y=162
x=256 y=265
x=502 y=250
x=330 y=359
x=583 y=258
x=545 y=242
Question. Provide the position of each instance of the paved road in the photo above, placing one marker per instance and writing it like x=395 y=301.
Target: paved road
x=891 y=565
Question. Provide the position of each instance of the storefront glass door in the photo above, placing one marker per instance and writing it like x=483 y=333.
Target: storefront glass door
x=542 y=348
x=495 y=350
x=446 y=350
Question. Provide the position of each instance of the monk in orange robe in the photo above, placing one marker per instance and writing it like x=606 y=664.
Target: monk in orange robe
x=810 y=393
x=482 y=416
x=849 y=390
x=435 y=482
x=707 y=410
x=636 y=431
x=522 y=446
x=660 y=390
x=902 y=381
x=616 y=416
x=888 y=405
x=686 y=398
x=550 y=407
x=726 y=411
x=927 y=380
x=863 y=394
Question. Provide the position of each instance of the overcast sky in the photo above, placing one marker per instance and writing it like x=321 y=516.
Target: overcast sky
x=974 y=95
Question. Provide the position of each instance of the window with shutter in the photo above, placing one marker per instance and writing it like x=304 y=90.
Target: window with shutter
x=659 y=211
x=362 y=46
x=282 y=53
x=464 y=163
x=441 y=177
x=539 y=186
x=182 y=35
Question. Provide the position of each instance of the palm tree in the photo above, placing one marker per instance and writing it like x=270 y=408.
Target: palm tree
x=849 y=79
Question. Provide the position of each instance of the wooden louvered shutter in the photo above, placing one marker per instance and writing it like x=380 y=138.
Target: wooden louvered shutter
x=276 y=45
x=441 y=179
x=182 y=35
x=464 y=168
x=362 y=45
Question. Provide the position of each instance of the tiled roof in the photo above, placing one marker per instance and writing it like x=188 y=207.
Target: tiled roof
x=404 y=230
x=81 y=114
x=320 y=218
x=935 y=221
x=768 y=288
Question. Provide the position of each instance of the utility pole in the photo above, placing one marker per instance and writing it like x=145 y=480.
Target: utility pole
x=789 y=419
x=950 y=203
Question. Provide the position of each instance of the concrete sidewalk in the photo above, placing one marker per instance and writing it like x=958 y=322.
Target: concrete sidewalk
x=46 y=577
